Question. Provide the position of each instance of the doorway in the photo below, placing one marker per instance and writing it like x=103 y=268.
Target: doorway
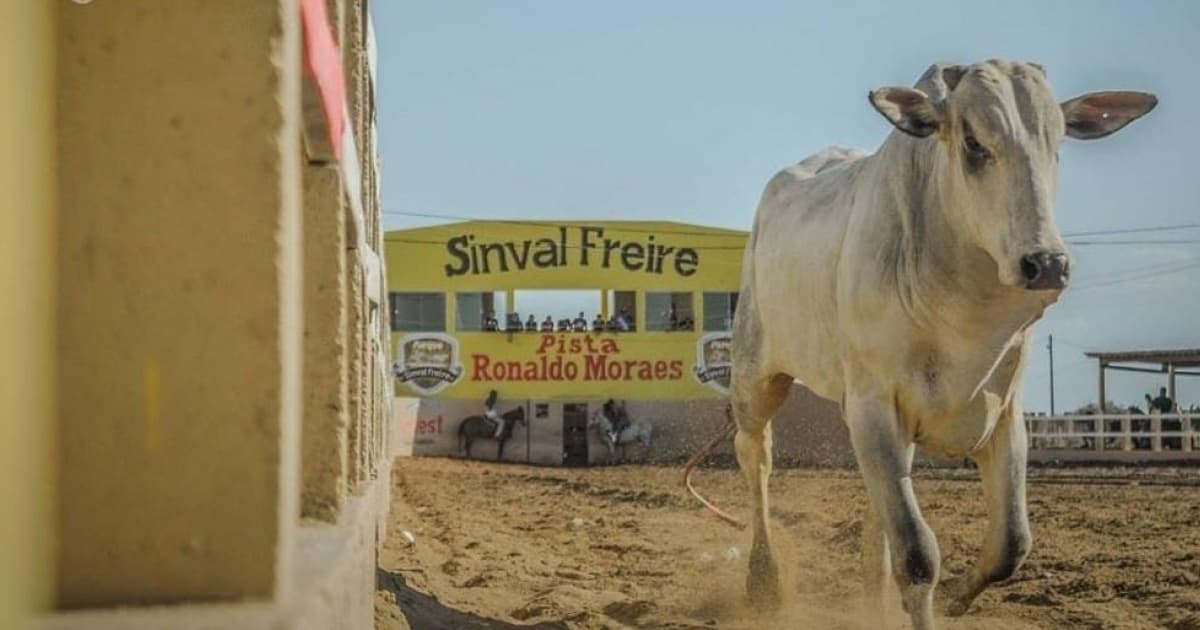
x=575 y=440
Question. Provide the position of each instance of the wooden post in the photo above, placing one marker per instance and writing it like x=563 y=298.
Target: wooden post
x=1185 y=425
x=1156 y=431
x=1126 y=427
x=1171 y=384
x=1050 y=347
x=1099 y=445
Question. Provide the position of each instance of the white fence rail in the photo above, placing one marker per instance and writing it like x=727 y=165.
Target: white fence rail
x=1127 y=434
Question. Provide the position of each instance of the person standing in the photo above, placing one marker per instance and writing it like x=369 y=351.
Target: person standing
x=1161 y=404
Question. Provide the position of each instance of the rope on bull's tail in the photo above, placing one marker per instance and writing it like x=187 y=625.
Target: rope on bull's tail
x=726 y=432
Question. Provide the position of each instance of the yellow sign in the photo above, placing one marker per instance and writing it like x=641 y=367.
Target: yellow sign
x=629 y=255
x=626 y=256
x=668 y=366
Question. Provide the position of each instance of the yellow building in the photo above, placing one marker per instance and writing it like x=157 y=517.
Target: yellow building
x=667 y=293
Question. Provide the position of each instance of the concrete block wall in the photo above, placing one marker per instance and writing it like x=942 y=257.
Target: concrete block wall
x=224 y=445
x=179 y=300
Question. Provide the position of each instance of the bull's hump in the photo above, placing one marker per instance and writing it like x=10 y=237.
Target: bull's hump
x=827 y=158
x=821 y=162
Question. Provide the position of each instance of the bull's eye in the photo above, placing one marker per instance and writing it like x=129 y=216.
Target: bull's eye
x=974 y=147
x=977 y=154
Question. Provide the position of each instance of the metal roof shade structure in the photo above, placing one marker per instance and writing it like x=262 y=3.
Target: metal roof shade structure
x=1168 y=361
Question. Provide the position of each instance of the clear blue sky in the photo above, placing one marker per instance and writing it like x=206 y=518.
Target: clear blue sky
x=681 y=110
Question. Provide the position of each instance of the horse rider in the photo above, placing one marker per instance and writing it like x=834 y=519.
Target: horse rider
x=617 y=418
x=490 y=413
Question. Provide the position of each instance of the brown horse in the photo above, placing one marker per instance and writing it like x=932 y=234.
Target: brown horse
x=479 y=427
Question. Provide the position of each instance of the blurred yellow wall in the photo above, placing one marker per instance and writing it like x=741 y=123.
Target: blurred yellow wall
x=27 y=179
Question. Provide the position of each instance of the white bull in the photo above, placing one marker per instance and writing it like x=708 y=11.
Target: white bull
x=905 y=284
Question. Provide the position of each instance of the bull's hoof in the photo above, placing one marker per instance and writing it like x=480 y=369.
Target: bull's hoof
x=957 y=607
x=762 y=583
x=952 y=596
x=763 y=594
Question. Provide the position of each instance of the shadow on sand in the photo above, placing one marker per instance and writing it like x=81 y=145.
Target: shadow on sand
x=427 y=613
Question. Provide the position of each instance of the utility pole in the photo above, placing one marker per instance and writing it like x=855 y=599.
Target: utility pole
x=1050 y=347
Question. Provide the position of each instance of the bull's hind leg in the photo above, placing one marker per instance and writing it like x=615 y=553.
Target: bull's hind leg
x=884 y=454
x=1002 y=467
x=753 y=407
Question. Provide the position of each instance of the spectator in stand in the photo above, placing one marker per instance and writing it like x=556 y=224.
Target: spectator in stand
x=489 y=321
x=624 y=319
x=564 y=325
x=611 y=325
x=580 y=323
x=531 y=324
x=598 y=323
x=548 y=324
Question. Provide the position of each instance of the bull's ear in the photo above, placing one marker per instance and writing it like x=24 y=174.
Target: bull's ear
x=909 y=110
x=1099 y=114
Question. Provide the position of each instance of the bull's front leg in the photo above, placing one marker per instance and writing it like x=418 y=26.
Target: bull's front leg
x=884 y=452
x=1002 y=468
x=877 y=567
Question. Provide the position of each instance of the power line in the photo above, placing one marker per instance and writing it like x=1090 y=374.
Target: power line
x=1146 y=276
x=1138 y=271
x=1068 y=342
x=1159 y=228
x=1169 y=268
x=633 y=230
x=1139 y=242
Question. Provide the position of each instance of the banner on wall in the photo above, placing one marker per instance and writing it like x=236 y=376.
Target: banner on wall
x=428 y=362
x=713 y=363
x=563 y=365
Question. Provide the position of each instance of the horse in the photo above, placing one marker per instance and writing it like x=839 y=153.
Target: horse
x=635 y=431
x=479 y=427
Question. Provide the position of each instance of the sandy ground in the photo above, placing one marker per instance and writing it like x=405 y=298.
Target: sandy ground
x=500 y=546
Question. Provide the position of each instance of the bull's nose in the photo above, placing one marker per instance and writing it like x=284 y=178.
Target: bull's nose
x=1045 y=271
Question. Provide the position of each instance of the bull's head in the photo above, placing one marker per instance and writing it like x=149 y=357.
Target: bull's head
x=997 y=128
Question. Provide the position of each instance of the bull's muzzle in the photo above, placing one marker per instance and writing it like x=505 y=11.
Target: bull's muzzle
x=1045 y=271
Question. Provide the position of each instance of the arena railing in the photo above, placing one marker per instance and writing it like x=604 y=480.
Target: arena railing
x=1115 y=432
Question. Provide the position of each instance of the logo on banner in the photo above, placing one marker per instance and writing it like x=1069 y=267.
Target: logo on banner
x=713 y=362
x=428 y=362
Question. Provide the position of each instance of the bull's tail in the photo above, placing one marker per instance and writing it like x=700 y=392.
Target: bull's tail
x=726 y=432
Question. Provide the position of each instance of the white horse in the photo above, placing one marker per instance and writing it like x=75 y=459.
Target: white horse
x=636 y=431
